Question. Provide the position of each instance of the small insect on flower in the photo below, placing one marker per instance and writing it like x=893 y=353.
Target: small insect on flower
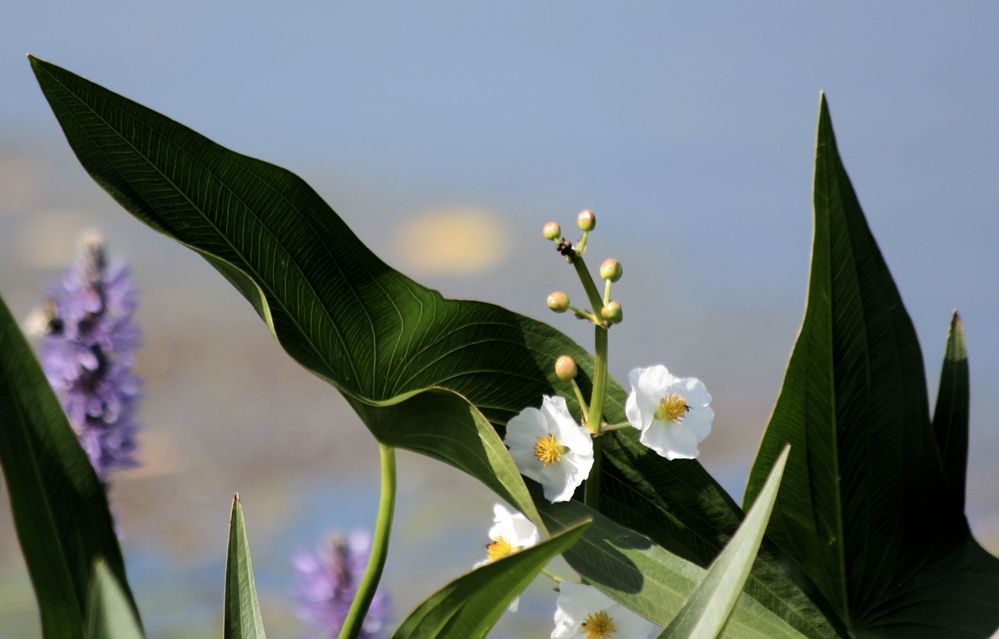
x=511 y=532
x=673 y=413
x=583 y=612
x=328 y=581
x=548 y=446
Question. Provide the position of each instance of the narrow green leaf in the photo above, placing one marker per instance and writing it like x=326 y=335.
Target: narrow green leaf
x=60 y=510
x=242 y=610
x=648 y=579
x=950 y=418
x=864 y=509
x=111 y=614
x=380 y=338
x=707 y=611
x=468 y=607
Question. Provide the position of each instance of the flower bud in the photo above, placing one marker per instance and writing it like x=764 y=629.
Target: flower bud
x=612 y=312
x=586 y=220
x=611 y=270
x=552 y=231
x=565 y=368
x=558 y=302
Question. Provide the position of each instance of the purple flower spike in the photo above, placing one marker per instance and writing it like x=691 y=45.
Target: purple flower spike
x=88 y=352
x=328 y=583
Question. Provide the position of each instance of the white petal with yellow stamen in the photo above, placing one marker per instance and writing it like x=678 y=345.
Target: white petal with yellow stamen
x=583 y=612
x=548 y=446
x=673 y=413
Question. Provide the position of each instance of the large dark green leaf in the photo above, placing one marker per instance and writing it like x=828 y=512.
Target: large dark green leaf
x=864 y=509
x=241 y=619
x=60 y=510
x=468 y=607
x=380 y=338
x=648 y=579
x=706 y=612
x=111 y=614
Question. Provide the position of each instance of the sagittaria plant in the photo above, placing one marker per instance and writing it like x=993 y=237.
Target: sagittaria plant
x=852 y=549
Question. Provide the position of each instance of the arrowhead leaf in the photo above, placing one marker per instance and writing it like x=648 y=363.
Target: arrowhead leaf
x=379 y=337
x=864 y=509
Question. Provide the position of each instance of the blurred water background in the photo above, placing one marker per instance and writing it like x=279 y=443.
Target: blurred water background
x=446 y=134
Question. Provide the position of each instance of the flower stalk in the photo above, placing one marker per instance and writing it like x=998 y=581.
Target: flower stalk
x=354 y=623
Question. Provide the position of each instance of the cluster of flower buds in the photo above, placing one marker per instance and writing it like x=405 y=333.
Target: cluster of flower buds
x=605 y=311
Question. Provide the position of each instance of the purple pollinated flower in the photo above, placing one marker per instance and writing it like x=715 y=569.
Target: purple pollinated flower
x=328 y=582
x=88 y=351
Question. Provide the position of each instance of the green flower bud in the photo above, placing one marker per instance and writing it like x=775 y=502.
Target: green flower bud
x=612 y=312
x=558 y=302
x=552 y=231
x=586 y=220
x=565 y=368
x=611 y=270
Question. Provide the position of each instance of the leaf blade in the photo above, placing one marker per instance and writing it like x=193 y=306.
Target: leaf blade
x=60 y=510
x=950 y=416
x=111 y=615
x=468 y=607
x=706 y=612
x=241 y=618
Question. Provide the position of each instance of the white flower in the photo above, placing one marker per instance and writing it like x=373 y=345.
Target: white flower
x=511 y=532
x=548 y=446
x=673 y=413
x=583 y=612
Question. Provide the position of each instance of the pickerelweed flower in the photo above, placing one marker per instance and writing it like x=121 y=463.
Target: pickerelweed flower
x=328 y=581
x=673 y=413
x=583 y=612
x=548 y=446
x=88 y=351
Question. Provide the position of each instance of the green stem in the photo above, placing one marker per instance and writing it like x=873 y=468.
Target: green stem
x=595 y=416
x=592 y=293
x=579 y=398
x=354 y=622
x=607 y=289
x=591 y=489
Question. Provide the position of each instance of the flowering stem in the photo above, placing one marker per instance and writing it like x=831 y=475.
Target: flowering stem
x=354 y=622
x=551 y=575
x=579 y=398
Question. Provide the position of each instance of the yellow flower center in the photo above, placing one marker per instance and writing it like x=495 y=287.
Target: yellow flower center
x=598 y=625
x=671 y=408
x=498 y=548
x=547 y=450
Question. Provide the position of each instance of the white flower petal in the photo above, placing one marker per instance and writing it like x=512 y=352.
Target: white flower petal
x=698 y=420
x=694 y=392
x=653 y=381
x=576 y=602
x=671 y=440
x=555 y=482
x=631 y=410
x=514 y=527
